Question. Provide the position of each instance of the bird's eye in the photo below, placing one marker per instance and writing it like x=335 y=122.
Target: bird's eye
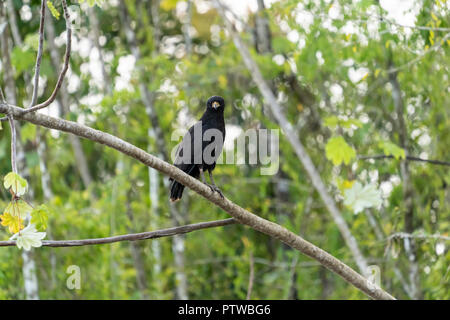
x=215 y=104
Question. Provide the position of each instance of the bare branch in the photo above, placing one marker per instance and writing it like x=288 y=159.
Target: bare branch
x=419 y=57
x=410 y=158
x=39 y=56
x=133 y=236
x=65 y=65
x=2 y=96
x=405 y=235
x=13 y=143
x=240 y=214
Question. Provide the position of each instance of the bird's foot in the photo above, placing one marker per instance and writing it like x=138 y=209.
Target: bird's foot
x=215 y=188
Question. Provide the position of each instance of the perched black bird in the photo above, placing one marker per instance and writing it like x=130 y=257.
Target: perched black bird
x=201 y=146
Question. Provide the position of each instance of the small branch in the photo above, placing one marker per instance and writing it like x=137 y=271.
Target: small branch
x=133 y=236
x=404 y=235
x=65 y=65
x=418 y=58
x=39 y=56
x=13 y=143
x=410 y=158
x=2 y=96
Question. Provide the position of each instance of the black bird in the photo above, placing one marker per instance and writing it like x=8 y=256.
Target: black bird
x=201 y=146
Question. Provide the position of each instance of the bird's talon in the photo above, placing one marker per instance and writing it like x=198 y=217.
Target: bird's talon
x=216 y=189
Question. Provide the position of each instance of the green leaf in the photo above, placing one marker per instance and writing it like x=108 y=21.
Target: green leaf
x=338 y=151
x=17 y=184
x=39 y=217
x=32 y=41
x=359 y=197
x=18 y=208
x=391 y=149
x=333 y=121
x=51 y=7
x=22 y=59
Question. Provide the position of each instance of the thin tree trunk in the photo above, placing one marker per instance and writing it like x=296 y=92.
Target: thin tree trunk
x=156 y=137
x=29 y=267
x=408 y=193
x=63 y=103
x=187 y=28
x=95 y=27
x=141 y=277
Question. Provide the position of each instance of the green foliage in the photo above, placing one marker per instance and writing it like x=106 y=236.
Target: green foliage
x=391 y=149
x=338 y=151
x=55 y=13
x=39 y=217
x=330 y=75
x=17 y=184
x=22 y=59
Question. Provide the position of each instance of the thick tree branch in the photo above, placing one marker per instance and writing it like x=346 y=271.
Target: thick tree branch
x=133 y=236
x=240 y=214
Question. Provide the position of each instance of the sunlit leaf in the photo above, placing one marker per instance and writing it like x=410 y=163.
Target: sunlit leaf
x=39 y=217
x=338 y=151
x=14 y=223
x=17 y=184
x=55 y=13
x=391 y=149
x=358 y=197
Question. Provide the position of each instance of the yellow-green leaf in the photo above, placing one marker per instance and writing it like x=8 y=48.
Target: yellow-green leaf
x=14 y=224
x=17 y=184
x=39 y=217
x=18 y=208
x=338 y=151
x=53 y=10
x=391 y=149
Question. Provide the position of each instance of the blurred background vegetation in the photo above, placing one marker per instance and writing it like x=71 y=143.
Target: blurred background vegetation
x=331 y=64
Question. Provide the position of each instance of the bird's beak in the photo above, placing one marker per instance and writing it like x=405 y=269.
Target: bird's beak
x=215 y=104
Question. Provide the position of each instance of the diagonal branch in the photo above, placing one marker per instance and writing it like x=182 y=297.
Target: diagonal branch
x=133 y=236
x=240 y=214
x=292 y=137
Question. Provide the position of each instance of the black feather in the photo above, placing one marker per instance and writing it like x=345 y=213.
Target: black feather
x=211 y=119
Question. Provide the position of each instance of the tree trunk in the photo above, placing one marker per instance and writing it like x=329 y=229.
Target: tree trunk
x=29 y=267
x=63 y=103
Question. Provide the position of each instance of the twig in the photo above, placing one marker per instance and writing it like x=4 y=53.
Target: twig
x=240 y=214
x=65 y=65
x=404 y=235
x=433 y=48
x=2 y=96
x=13 y=142
x=410 y=158
x=39 y=56
x=132 y=236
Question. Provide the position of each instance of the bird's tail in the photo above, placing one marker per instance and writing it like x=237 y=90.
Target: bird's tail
x=176 y=190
